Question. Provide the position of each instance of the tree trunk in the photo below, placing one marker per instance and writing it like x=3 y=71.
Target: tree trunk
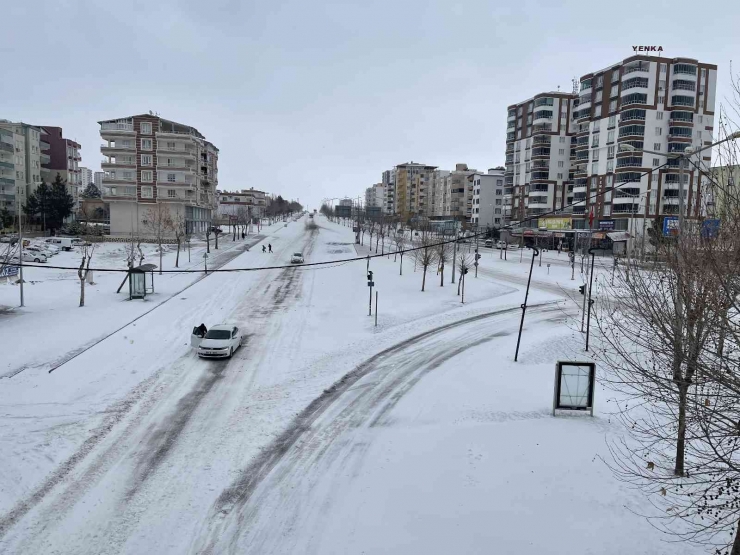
x=216 y=235
x=82 y=291
x=683 y=390
x=377 y=240
x=208 y=242
x=160 y=257
x=736 y=543
x=459 y=281
x=442 y=275
x=400 y=273
x=177 y=258
x=424 y=278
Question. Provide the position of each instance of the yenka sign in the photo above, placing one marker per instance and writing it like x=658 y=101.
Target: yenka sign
x=647 y=48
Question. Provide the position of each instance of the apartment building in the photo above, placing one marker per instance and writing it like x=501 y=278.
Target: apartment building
x=64 y=158
x=538 y=144
x=644 y=102
x=440 y=194
x=720 y=200
x=98 y=180
x=659 y=104
x=236 y=203
x=488 y=198
x=86 y=177
x=22 y=163
x=150 y=160
x=412 y=190
x=389 y=187
x=375 y=196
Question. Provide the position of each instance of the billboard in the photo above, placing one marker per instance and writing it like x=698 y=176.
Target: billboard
x=710 y=228
x=606 y=224
x=555 y=223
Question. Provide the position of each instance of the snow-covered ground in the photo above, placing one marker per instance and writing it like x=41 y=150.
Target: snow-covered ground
x=324 y=433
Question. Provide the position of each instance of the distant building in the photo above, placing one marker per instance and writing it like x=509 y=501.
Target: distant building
x=375 y=196
x=151 y=160
x=232 y=204
x=389 y=189
x=21 y=163
x=86 y=177
x=488 y=198
x=64 y=159
x=720 y=189
x=98 y=179
x=412 y=190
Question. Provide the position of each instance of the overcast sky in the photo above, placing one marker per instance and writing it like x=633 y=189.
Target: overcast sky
x=316 y=99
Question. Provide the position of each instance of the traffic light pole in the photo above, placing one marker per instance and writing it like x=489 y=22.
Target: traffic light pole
x=535 y=252
x=370 y=284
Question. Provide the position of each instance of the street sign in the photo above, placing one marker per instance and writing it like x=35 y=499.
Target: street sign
x=710 y=228
x=371 y=284
x=606 y=224
x=670 y=226
x=8 y=271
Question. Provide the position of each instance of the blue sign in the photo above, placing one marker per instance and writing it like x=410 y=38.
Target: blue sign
x=606 y=224
x=8 y=271
x=670 y=226
x=710 y=228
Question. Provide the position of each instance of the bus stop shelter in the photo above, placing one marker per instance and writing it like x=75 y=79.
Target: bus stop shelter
x=141 y=281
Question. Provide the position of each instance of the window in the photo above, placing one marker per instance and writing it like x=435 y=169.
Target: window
x=610 y=166
x=595 y=142
x=146 y=159
x=171 y=193
x=656 y=162
x=661 y=99
x=612 y=121
x=595 y=155
x=561 y=164
x=612 y=105
x=698 y=134
x=699 y=119
x=658 y=115
x=146 y=128
x=128 y=176
x=561 y=151
x=147 y=192
x=146 y=144
x=127 y=143
x=656 y=146
x=594 y=168
x=560 y=176
x=661 y=85
x=610 y=152
x=662 y=68
x=498 y=202
x=171 y=177
x=562 y=139
x=658 y=131
x=615 y=75
x=146 y=176
x=614 y=91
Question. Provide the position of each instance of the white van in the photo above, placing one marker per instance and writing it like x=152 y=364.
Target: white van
x=65 y=243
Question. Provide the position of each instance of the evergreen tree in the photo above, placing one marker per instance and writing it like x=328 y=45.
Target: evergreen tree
x=91 y=191
x=61 y=203
x=37 y=206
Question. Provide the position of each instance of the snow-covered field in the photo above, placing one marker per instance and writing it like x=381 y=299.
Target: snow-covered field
x=324 y=433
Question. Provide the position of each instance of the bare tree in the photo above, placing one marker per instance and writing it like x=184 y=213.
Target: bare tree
x=463 y=261
x=84 y=270
x=158 y=221
x=444 y=255
x=425 y=254
x=178 y=226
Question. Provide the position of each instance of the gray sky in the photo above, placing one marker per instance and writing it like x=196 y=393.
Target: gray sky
x=316 y=99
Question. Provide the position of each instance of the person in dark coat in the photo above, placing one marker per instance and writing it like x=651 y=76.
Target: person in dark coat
x=269 y=246
x=264 y=249
x=201 y=330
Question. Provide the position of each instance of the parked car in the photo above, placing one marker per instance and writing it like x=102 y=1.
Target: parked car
x=33 y=249
x=220 y=342
x=80 y=243
x=12 y=239
x=27 y=257
x=297 y=258
x=488 y=243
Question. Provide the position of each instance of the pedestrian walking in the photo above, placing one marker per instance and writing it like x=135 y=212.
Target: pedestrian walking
x=243 y=235
x=264 y=249
x=269 y=246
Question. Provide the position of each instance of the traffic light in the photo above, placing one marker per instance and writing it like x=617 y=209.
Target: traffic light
x=369 y=275
x=477 y=256
x=465 y=271
x=582 y=289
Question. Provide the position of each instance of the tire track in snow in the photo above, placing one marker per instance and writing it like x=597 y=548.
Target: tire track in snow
x=323 y=433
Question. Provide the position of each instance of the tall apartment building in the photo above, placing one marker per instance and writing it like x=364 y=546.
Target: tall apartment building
x=460 y=193
x=22 y=162
x=645 y=102
x=389 y=186
x=412 y=190
x=86 y=177
x=488 y=198
x=151 y=160
x=538 y=139
x=64 y=159
x=440 y=194
x=98 y=179
x=659 y=104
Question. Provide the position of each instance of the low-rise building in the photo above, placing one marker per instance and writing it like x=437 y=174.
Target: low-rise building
x=238 y=205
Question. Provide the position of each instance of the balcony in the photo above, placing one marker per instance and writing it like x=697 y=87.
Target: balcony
x=178 y=180
x=537 y=201
x=634 y=98
x=542 y=128
x=625 y=208
x=642 y=67
x=6 y=181
x=629 y=162
x=177 y=151
x=117 y=127
x=634 y=83
x=685 y=117
x=5 y=147
x=124 y=193
x=682 y=100
x=684 y=69
x=44 y=158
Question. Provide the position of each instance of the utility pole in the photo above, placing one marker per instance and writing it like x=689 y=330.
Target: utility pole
x=590 y=300
x=20 y=246
x=535 y=252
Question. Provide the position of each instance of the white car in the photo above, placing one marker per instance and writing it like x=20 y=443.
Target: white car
x=488 y=243
x=39 y=250
x=27 y=257
x=297 y=258
x=220 y=342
